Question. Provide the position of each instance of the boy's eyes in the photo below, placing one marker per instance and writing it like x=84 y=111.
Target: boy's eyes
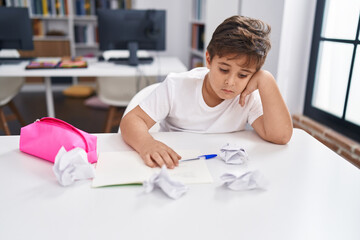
x=226 y=71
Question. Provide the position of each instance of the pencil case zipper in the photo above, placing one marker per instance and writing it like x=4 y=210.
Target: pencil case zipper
x=59 y=123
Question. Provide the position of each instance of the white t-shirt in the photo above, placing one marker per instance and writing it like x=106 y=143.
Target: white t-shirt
x=178 y=104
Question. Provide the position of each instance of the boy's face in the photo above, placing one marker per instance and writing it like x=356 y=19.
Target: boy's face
x=228 y=76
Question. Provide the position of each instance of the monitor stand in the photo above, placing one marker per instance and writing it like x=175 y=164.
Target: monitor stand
x=133 y=59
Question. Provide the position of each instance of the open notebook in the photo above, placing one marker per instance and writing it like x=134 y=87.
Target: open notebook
x=127 y=167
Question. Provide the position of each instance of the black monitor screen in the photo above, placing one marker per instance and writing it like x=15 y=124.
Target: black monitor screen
x=131 y=29
x=15 y=29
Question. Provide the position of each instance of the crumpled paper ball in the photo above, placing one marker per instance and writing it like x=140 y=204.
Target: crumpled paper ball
x=248 y=181
x=72 y=165
x=233 y=154
x=162 y=180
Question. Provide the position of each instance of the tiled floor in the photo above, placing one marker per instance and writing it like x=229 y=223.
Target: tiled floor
x=32 y=106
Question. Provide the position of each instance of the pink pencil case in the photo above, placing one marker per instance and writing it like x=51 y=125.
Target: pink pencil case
x=46 y=136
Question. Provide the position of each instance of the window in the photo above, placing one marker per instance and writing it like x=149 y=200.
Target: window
x=333 y=85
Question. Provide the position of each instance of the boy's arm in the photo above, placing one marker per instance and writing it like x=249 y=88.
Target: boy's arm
x=275 y=125
x=135 y=131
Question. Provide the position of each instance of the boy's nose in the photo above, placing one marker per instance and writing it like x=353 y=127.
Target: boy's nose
x=230 y=80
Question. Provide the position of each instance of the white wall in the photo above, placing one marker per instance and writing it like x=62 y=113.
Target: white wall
x=271 y=12
x=178 y=13
x=215 y=13
x=292 y=25
x=295 y=49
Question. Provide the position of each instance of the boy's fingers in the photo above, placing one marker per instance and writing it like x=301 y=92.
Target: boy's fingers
x=175 y=157
x=167 y=159
x=158 y=159
x=243 y=96
x=148 y=161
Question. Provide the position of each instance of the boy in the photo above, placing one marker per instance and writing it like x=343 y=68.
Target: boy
x=223 y=97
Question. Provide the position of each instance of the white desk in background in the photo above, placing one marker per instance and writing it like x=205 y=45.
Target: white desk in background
x=161 y=66
x=312 y=194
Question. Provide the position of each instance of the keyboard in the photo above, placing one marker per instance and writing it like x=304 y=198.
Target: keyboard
x=125 y=60
x=13 y=60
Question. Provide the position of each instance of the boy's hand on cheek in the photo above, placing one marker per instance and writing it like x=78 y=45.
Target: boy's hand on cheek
x=156 y=154
x=252 y=85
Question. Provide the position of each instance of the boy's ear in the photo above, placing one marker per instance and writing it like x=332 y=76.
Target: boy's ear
x=207 y=57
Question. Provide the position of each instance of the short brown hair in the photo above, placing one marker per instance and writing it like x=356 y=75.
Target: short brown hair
x=239 y=36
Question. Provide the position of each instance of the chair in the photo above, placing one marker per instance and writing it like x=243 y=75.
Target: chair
x=9 y=88
x=142 y=94
x=115 y=92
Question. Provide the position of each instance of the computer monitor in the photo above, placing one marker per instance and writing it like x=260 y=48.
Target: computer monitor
x=132 y=30
x=15 y=29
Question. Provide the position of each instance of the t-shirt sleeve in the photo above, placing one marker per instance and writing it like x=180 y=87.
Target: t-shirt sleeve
x=256 y=109
x=157 y=104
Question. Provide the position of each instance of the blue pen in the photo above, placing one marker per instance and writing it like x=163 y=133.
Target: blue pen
x=207 y=156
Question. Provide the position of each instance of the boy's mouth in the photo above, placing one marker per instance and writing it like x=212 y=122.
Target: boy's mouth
x=227 y=91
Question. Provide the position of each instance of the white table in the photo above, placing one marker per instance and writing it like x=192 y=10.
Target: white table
x=161 y=66
x=313 y=194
